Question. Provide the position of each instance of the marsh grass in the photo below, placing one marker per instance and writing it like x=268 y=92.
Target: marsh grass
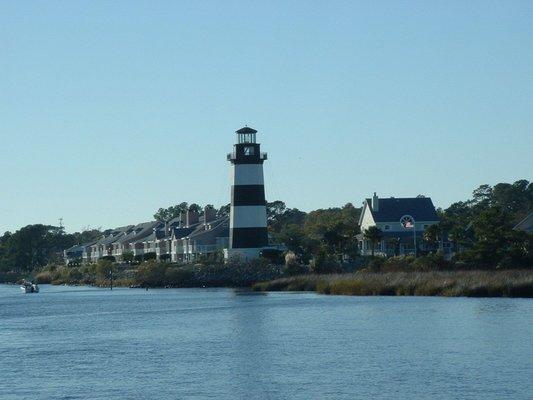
x=512 y=283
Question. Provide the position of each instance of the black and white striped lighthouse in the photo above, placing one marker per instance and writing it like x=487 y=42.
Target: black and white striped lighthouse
x=248 y=220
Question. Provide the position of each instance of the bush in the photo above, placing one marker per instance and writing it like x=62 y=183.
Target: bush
x=104 y=267
x=431 y=262
x=324 y=263
x=44 y=277
x=272 y=255
x=179 y=277
x=397 y=264
x=374 y=264
x=292 y=268
x=151 y=274
x=74 y=275
x=128 y=256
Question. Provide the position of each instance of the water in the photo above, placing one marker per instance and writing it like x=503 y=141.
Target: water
x=87 y=343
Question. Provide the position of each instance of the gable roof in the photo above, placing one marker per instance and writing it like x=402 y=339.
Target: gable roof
x=139 y=232
x=207 y=234
x=179 y=233
x=392 y=209
x=77 y=248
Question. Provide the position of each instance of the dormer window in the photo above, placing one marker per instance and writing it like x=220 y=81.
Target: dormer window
x=249 y=151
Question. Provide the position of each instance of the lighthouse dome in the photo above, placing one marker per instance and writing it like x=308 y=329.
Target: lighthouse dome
x=246 y=129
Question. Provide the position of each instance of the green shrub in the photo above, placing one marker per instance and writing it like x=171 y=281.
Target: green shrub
x=324 y=263
x=274 y=256
x=128 y=256
x=397 y=264
x=179 y=277
x=151 y=274
x=374 y=263
x=431 y=262
x=292 y=268
x=104 y=267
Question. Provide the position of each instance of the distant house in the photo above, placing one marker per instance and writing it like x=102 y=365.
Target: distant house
x=75 y=254
x=402 y=222
x=208 y=238
x=104 y=246
x=526 y=224
x=181 y=239
x=206 y=235
x=129 y=242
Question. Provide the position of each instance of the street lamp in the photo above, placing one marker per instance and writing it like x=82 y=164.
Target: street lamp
x=408 y=222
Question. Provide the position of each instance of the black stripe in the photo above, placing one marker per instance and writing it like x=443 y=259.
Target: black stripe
x=247 y=161
x=248 y=195
x=242 y=238
x=251 y=158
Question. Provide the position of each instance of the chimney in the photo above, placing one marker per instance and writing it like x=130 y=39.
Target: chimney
x=375 y=202
x=192 y=218
x=183 y=219
x=209 y=214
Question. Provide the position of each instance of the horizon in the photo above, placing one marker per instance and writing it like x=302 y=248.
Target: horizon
x=111 y=111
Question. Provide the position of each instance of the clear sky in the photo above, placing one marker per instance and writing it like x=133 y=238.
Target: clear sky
x=112 y=109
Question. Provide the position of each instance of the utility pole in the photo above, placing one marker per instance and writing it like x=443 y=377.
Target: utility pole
x=111 y=279
x=414 y=236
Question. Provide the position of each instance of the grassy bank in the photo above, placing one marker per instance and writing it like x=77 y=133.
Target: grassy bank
x=160 y=274
x=512 y=283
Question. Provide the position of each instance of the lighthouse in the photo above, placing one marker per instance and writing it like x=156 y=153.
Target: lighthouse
x=248 y=221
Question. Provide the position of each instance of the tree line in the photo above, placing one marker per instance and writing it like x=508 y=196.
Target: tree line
x=480 y=230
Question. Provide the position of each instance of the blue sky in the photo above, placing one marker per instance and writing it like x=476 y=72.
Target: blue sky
x=110 y=110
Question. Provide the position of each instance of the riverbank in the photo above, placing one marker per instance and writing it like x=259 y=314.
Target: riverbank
x=261 y=276
x=509 y=283
x=161 y=274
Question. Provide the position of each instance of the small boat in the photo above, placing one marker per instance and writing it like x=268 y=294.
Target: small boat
x=28 y=287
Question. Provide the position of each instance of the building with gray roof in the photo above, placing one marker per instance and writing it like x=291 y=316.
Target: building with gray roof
x=402 y=222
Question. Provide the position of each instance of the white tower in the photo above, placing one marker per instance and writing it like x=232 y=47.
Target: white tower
x=248 y=220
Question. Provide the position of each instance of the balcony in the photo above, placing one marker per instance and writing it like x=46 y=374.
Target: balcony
x=232 y=156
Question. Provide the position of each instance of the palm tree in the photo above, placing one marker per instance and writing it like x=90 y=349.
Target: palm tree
x=374 y=235
x=394 y=242
x=432 y=234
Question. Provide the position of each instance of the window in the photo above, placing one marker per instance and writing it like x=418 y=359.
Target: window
x=425 y=226
x=249 y=151
x=387 y=227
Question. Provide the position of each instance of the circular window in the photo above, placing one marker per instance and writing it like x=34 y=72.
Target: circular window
x=407 y=221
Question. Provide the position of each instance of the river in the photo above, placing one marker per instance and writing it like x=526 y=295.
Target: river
x=89 y=343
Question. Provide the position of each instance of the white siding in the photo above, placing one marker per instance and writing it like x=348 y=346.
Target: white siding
x=247 y=174
x=248 y=217
x=395 y=226
x=367 y=220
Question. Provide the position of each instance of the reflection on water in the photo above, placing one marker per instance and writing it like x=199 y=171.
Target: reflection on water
x=79 y=343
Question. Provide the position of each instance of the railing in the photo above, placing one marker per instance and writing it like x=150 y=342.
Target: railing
x=233 y=156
